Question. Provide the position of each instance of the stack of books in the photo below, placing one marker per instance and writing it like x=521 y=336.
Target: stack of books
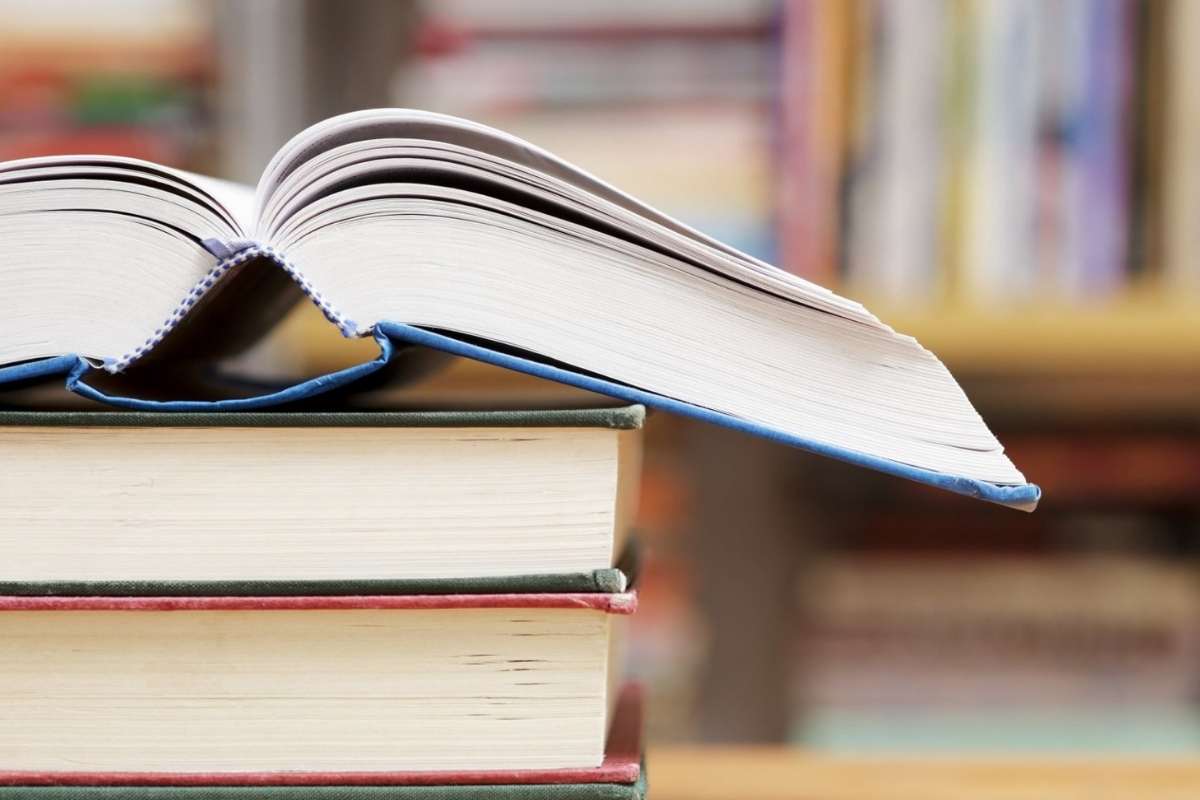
x=317 y=600
x=222 y=591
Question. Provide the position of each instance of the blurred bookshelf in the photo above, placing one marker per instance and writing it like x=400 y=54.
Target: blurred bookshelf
x=1012 y=183
x=127 y=78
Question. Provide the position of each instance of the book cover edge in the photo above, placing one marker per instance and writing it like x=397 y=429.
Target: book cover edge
x=621 y=603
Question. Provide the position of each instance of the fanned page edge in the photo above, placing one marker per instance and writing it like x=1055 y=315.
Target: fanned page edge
x=1023 y=497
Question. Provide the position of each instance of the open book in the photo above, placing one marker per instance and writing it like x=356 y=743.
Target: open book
x=427 y=229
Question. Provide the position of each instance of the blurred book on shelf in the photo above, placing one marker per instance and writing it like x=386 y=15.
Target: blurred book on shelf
x=667 y=639
x=119 y=77
x=1000 y=652
x=1181 y=127
x=926 y=627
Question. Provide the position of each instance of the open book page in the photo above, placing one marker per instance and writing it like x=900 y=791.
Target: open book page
x=465 y=134
x=367 y=130
x=105 y=183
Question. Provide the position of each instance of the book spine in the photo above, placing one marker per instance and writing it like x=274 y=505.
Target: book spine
x=893 y=232
x=1182 y=159
x=1103 y=183
x=817 y=64
x=1000 y=180
x=232 y=256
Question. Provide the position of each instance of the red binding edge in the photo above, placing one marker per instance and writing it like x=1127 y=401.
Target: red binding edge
x=623 y=603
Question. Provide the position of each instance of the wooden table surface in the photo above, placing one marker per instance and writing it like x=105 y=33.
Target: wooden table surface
x=774 y=774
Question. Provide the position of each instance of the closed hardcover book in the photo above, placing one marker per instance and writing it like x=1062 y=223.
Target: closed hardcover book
x=131 y=503
x=329 y=690
x=620 y=776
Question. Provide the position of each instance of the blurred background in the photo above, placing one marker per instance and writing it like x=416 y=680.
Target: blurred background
x=1014 y=182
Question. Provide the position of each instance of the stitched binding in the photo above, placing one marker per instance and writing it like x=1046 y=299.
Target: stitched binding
x=235 y=254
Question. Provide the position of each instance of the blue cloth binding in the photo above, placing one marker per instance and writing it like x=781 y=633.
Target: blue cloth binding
x=75 y=368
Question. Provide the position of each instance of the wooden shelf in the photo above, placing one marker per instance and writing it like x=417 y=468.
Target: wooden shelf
x=698 y=773
x=1115 y=339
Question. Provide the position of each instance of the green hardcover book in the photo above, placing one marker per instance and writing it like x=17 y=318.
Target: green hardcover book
x=316 y=503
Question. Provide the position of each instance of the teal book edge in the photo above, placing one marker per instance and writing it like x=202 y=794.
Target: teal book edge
x=514 y=791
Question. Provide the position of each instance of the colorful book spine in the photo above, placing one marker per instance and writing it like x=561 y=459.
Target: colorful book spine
x=1000 y=175
x=893 y=230
x=815 y=112
x=1182 y=168
x=1103 y=189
